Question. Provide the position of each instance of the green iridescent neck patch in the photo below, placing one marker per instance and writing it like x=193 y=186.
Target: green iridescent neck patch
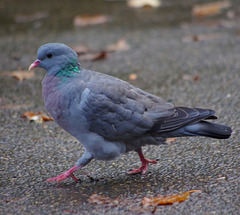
x=70 y=70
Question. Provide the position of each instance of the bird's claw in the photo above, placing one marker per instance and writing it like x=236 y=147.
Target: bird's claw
x=65 y=175
x=143 y=169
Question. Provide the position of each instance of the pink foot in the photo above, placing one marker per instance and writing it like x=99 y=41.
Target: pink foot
x=143 y=169
x=65 y=175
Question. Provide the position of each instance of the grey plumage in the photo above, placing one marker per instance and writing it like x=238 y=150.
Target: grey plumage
x=110 y=116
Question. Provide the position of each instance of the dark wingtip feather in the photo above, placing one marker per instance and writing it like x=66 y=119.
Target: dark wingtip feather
x=209 y=129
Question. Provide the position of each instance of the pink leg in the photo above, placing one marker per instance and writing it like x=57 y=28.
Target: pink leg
x=65 y=175
x=143 y=169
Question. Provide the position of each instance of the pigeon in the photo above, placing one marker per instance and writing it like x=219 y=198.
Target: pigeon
x=109 y=116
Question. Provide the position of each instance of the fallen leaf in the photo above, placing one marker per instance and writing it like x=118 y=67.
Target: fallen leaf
x=37 y=117
x=190 y=77
x=93 y=56
x=166 y=200
x=133 y=77
x=171 y=139
x=210 y=9
x=19 y=74
x=30 y=17
x=85 y=20
x=86 y=54
x=144 y=3
x=200 y=37
x=102 y=200
x=81 y=49
x=196 y=78
x=120 y=45
x=100 y=56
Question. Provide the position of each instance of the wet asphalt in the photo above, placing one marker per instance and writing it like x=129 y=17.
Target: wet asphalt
x=185 y=60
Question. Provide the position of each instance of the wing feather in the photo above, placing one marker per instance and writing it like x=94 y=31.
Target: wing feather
x=115 y=109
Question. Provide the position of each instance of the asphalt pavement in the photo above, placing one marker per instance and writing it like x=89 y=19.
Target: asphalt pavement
x=186 y=60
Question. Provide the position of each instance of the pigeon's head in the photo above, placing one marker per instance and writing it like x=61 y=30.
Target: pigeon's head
x=53 y=57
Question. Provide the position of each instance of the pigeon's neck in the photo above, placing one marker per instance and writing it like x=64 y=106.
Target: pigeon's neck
x=71 y=69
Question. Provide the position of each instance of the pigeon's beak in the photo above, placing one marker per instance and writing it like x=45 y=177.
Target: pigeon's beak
x=34 y=65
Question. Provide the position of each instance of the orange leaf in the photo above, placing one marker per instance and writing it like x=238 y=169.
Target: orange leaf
x=132 y=77
x=171 y=139
x=166 y=200
x=90 y=20
x=19 y=75
x=37 y=117
x=210 y=9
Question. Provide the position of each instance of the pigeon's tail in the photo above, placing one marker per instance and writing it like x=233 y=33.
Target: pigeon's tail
x=207 y=129
x=191 y=122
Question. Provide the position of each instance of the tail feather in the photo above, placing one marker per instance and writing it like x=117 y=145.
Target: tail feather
x=208 y=129
x=191 y=122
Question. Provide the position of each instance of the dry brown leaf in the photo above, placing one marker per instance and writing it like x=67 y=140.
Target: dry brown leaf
x=19 y=74
x=93 y=56
x=86 y=54
x=200 y=37
x=81 y=49
x=210 y=9
x=102 y=200
x=133 y=77
x=85 y=20
x=194 y=78
x=166 y=200
x=144 y=3
x=100 y=56
x=171 y=139
x=120 y=45
x=37 y=117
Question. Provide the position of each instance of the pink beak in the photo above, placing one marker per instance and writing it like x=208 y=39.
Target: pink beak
x=34 y=64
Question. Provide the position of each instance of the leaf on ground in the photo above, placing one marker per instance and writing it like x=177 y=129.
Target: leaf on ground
x=194 y=78
x=19 y=74
x=132 y=77
x=210 y=9
x=81 y=49
x=100 y=56
x=23 y=18
x=37 y=117
x=166 y=200
x=200 y=37
x=103 y=200
x=93 y=56
x=171 y=139
x=85 y=20
x=86 y=54
x=120 y=45
x=144 y=3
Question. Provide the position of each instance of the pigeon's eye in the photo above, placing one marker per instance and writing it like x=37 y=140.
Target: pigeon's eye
x=49 y=55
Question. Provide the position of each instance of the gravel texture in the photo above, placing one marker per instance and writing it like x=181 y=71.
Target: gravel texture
x=185 y=60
